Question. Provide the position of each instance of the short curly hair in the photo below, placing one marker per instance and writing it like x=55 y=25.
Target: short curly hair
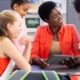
x=77 y=5
x=45 y=9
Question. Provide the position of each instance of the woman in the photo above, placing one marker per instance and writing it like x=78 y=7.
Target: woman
x=54 y=38
x=10 y=28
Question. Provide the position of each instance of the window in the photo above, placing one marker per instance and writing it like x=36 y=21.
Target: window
x=32 y=22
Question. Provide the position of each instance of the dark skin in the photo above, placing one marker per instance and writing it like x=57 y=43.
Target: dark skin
x=55 y=22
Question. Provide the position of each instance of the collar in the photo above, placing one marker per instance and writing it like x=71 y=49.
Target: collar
x=61 y=31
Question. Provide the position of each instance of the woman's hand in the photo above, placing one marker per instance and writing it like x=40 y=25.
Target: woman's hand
x=41 y=62
x=71 y=62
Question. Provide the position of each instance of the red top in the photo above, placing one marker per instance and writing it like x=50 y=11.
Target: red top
x=3 y=64
x=68 y=38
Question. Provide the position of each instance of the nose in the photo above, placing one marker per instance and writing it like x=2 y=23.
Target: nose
x=59 y=17
x=25 y=13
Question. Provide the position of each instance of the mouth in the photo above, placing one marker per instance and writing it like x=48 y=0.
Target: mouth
x=61 y=21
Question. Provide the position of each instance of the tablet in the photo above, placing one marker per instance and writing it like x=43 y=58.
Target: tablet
x=57 y=59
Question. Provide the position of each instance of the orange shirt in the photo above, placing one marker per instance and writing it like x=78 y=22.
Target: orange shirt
x=68 y=38
x=3 y=64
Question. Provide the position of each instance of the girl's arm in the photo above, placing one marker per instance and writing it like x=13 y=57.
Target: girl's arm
x=25 y=40
x=9 y=50
x=27 y=51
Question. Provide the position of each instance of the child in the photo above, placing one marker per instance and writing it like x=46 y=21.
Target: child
x=21 y=7
x=10 y=28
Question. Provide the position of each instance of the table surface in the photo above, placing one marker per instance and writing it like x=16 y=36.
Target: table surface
x=58 y=68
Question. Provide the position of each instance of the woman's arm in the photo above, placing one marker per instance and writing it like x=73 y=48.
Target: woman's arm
x=75 y=41
x=9 y=50
x=35 y=45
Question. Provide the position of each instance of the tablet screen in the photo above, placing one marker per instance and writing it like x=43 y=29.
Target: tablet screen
x=57 y=59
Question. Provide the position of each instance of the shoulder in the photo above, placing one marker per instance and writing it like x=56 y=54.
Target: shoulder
x=69 y=26
x=5 y=41
x=42 y=27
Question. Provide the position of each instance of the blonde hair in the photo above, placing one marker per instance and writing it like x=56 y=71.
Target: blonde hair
x=7 y=16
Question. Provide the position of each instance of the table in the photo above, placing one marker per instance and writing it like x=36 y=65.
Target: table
x=60 y=69
x=34 y=75
x=20 y=74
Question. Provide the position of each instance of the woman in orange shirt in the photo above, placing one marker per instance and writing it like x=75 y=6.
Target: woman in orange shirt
x=53 y=38
x=9 y=29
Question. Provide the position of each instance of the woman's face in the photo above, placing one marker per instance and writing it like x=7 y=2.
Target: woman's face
x=55 y=18
x=14 y=29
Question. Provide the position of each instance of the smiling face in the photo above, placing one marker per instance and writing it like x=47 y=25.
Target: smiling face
x=10 y=22
x=55 y=18
x=14 y=29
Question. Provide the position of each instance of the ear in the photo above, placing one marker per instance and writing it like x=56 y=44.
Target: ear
x=9 y=26
x=46 y=20
x=15 y=7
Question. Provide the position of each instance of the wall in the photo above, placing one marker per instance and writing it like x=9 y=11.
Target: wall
x=72 y=16
x=4 y=4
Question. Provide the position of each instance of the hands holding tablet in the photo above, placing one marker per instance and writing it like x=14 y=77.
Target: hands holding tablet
x=71 y=62
x=41 y=62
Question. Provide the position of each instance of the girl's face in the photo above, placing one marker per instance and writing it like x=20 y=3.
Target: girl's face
x=14 y=29
x=22 y=9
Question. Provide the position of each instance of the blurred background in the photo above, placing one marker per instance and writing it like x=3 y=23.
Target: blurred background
x=32 y=19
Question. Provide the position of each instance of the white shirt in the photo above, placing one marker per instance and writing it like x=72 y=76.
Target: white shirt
x=23 y=32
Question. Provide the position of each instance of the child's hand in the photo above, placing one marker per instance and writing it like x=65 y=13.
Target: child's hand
x=24 y=40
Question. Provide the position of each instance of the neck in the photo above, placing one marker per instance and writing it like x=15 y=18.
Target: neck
x=55 y=29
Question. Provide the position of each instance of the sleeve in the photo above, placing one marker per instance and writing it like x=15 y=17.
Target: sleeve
x=35 y=44
x=75 y=41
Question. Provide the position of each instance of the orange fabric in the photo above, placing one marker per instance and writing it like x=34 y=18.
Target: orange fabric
x=68 y=39
x=73 y=78
x=3 y=64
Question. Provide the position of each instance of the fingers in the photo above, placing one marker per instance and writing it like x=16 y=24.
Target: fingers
x=43 y=64
x=71 y=62
x=24 y=40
